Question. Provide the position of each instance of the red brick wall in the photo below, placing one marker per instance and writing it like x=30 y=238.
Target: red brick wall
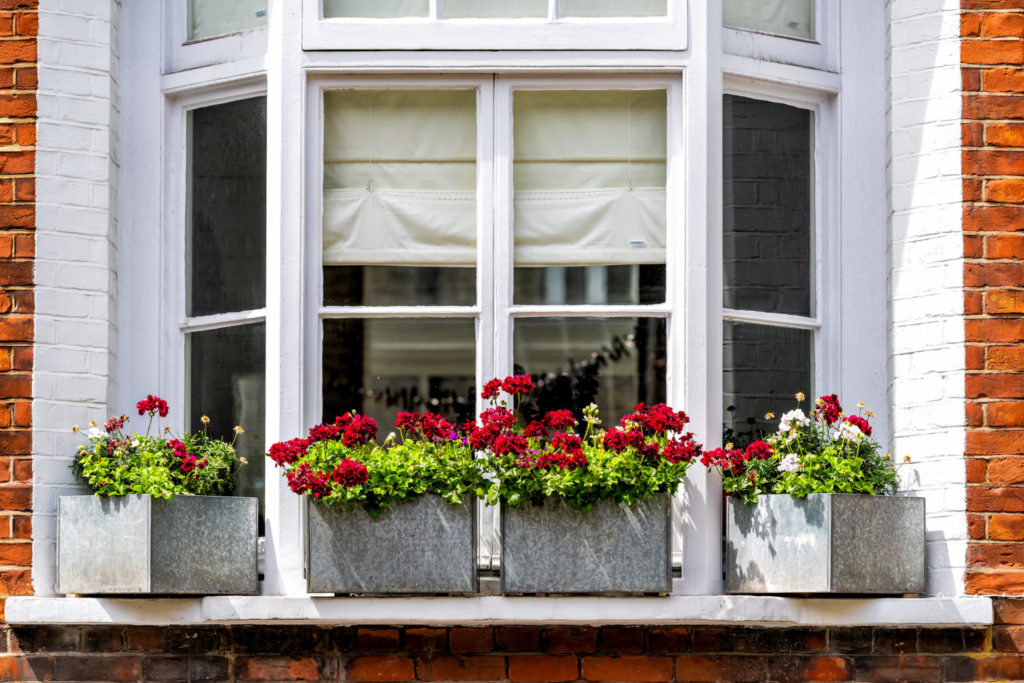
x=19 y=24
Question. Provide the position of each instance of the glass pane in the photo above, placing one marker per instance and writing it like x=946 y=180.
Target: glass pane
x=376 y=8
x=227 y=384
x=612 y=8
x=764 y=367
x=614 y=362
x=782 y=17
x=227 y=247
x=635 y=284
x=381 y=367
x=453 y=9
x=209 y=18
x=399 y=195
x=766 y=219
x=589 y=174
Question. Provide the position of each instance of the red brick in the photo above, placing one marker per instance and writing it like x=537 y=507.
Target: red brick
x=15 y=386
x=971 y=189
x=6 y=240
x=25 y=246
x=1006 y=527
x=994 y=274
x=16 y=442
x=25 y=134
x=23 y=356
x=25 y=189
x=976 y=468
x=426 y=639
x=543 y=668
x=471 y=639
x=517 y=638
x=5 y=360
x=973 y=303
x=629 y=668
x=377 y=639
x=972 y=52
x=381 y=669
x=974 y=247
x=21 y=526
x=970 y=24
x=994 y=583
x=1005 y=190
x=23 y=470
x=15 y=51
x=976 y=527
x=975 y=415
x=1004 y=414
x=714 y=669
x=971 y=134
x=5 y=470
x=669 y=639
x=1005 y=358
x=16 y=554
x=995 y=556
x=277 y=669
x=1008 y=611
x=26 y=77
x=970 y=80
x=6 y=191
x=991 y=107
x=28 y=23
x=16 y=582
x=982 y=499
x=466 y=668
x=827 y=669
x=1008 y=638
x=621 y=640
x=994 y=331
x=16 y=498
x=993 y=162
x=570 y=640
x=999 y=668
x=1002 y=25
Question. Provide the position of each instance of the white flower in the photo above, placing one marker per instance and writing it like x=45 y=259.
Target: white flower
x=849 y=432
x=95 y=433
x=792 y=419
x=791 y=463
x=135 y=443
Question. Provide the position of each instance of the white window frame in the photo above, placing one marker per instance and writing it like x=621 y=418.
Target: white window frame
x=548 y=33
x=181 y=53
x=820 y=52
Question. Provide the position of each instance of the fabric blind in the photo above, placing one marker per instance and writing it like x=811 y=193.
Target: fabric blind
x=612 y=8
x=209 y=18
x=375 y=8
x=589 y=176
x=783 y=17
x=454 y=9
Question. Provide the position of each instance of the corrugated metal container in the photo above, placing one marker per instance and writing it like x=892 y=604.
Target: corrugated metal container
x=423 y=545
x=614 y=548
x=826 y=543
x=202 y=545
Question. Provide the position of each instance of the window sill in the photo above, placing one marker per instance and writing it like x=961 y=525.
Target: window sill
x=674 y=610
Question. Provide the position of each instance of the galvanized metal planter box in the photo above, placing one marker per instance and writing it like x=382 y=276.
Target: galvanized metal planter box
x=138 y=544
x=420 y=546
x=825 y=543
x=613 y=548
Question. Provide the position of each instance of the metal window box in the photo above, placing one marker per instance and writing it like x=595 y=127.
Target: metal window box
x=138 y=544
x=826 y=543
x=420 y=546
x=612 y=549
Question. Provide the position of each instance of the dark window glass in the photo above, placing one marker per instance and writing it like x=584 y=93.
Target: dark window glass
x=227 y=207
x=614 y=362
x=767 y=207
x=628 y=284
x=227 y=383
x=399 y=286
x=764 y=368
x=381 y=367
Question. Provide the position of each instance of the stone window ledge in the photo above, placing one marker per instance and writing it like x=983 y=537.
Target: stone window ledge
x=741 y=610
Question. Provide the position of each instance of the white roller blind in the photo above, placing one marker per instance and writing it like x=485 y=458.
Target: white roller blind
x=399 y=177
x=454 y=9
x=589 y=177
x=386 y=9
x=613 y=8
x=209 y=18
x=784 y=17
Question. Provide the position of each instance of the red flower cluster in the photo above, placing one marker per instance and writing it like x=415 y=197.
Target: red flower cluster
x=152 y=405
x=430 y=425
x=302 y=479
x=860 y=423
x=517 y=385
x=115 y=423
x=677 y=451
x=829 y=408
x=186 y=460
x=735 y=460
x=491 y=388
x=350 y=472
x=360 y=431
x=655 y=420
x=286 y=452
x=566 y=453
x=559 y=419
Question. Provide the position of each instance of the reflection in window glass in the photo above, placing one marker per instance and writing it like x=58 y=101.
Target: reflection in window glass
x=614 y=362
x=589 y=175
x=227 y=235
x=381 y=367
x=782 y=17
x=612 y=8
x=453 y=9
x=210 y=18
x=766 y=219
x=399 y=195
x=227 y=384
x=383 y=9
x=764 y=368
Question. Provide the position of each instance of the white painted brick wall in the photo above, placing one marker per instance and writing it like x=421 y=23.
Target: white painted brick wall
x=926 y=278
x=75 y=248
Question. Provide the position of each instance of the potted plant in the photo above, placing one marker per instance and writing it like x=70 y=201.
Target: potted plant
x=397 y=517
x=811 y=509
x=583 y=513
x=160 y=520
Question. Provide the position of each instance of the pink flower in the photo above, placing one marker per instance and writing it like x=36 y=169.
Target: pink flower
x=152 y=405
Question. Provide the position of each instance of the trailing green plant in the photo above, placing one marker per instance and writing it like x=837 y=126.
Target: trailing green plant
x=341 y=462
x=825 y=452
x=647 y=454
x=115 y=463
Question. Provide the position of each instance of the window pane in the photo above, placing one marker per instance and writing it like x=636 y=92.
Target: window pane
x=227 y=384
x=782 y=17
x=209 y=18
x=612 y=8
x=381 y=367
x=398 y=286
x=376 y=8
x=764 y=367
x=767 y=207
x=495 y=8
x=614 y=362
x=227 y=207
x=399 y=193
x=634 y=284
x=589 y=174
